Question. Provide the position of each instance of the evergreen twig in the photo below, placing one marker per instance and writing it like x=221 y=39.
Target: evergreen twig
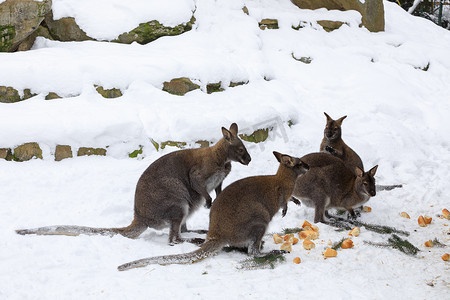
x=397 y=243
x=338 y=245
x=269 y=260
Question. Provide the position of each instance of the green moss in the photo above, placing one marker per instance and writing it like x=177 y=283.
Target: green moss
x=234 y=84
x=136 y=152
x=180 y=145
x=214 y=87
x=155 y=144
x=109 y=93
x=150 y=31
x=7 y=35
x=258 y=136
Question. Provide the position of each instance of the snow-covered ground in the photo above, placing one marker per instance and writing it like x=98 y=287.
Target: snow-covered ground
x=397 y=118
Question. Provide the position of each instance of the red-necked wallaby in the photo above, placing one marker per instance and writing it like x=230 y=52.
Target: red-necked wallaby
x=332 y=143
x=241 y=213
x=171 y=188
x=330 y=184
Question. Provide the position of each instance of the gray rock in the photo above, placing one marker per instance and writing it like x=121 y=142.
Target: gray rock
x=27 y=151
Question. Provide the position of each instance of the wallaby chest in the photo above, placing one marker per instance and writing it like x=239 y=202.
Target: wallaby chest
x=215 y=179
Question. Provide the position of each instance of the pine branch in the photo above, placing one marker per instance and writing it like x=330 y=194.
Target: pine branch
x=397 y=243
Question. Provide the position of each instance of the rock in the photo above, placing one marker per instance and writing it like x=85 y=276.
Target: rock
x=29 y=41
x=52 y=96
x=19 y=19
x=303 y=59
x=62 y=152
x=203 y=144
x=258 y=136
x=330 y=25
x=65 y=29
x=180 y=86
x=372 y=11
x=150 y=31
x=27 y=151
x=82 y=151
x=234 y=84
x=214 y=87
x=11 y=95
x=6 y=153
x=180 y=145
x=245 y=10
x=109 y=93
x=269 y=24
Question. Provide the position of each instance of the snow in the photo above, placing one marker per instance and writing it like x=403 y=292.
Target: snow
x=397 y=118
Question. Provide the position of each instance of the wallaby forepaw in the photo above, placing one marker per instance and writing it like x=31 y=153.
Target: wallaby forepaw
x=283 y=212
x=330 y=150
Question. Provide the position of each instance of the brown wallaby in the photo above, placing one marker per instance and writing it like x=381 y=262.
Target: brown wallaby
x=241 y=213
x=330 y=184
x=332 y=143
x=171 y=188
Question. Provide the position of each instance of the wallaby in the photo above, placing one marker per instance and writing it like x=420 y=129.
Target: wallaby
x=241 y=213
x=330 y=184
x=171 y=188
x=332 y=143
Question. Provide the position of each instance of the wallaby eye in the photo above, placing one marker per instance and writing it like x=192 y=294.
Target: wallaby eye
x=241 y=150
x=365 y=183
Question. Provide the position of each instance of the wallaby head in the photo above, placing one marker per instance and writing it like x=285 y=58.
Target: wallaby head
x=295 y=164
x=236 y=150
x=333 y=128
x=365 y=181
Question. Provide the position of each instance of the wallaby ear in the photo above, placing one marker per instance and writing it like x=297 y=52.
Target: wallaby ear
x=328 y=117
x=287 y=160
x=303 y=164
x=359 y=172
x=227 y=135
x=277 y=155
x=234 y=129
x=339 y=121
x=373 y=171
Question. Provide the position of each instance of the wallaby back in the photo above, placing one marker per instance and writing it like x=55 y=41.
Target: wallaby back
x=241 y=213
x=171 y=188
x=330 y=184
x=332 y=143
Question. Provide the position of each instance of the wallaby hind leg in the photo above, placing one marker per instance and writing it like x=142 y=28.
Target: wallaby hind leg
x=256 y=234
x=199 y=231
x=134 y=230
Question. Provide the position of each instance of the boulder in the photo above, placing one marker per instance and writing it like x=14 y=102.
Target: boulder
x=6 y=153
x=27 y=151
x=65 y=29
x=109 y=93
x=82 y=151
x=19 y=19
x=180 y=86
x=62 y=152
x=11 y=95
x=150 y=31
x=29 y=41
x=372 y=11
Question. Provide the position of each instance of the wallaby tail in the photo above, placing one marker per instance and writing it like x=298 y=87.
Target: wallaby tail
x=387 y=187
x=131 y=231
x=209 y=248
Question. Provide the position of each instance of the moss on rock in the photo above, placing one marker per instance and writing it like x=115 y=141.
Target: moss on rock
x=257 y=136
x=7 y=34
x=180 y=145
x=152 y=30
x=27 y=151
x=180 y=86
x=268 y=24
x=6 y=153
x=214 y=87
x=82 y=151
x=109 y=93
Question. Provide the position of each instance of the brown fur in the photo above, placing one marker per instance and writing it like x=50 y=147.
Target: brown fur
x=172 y=188
x=332 y=143
x=330 y=184
x=241 y=213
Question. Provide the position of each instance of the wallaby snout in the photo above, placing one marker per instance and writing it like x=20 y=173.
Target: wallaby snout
x=236 y=150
